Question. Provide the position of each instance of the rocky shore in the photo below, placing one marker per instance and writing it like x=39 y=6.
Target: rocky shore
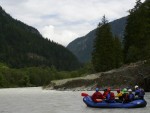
x=126 y=76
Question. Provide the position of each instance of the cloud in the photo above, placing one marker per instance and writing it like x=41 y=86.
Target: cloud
x=65 y=20
x=62 y=36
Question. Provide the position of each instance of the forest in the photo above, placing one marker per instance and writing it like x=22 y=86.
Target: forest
x=23 y=46
x=110 y=53
x=36 y=76
x=27 y=59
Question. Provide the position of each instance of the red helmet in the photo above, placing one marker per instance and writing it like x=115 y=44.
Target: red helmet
x=108 y=89
x=118 y=90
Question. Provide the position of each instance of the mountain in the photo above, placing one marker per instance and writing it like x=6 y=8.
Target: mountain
x=23 y=46
x=82 y=47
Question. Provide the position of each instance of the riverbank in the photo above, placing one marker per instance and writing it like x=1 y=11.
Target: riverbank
x=125 y=76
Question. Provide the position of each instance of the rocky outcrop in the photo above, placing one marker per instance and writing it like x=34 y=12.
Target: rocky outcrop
x=126 y=76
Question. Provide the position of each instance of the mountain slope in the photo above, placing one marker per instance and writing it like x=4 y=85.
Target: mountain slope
x=82 y=47
x=23 y=46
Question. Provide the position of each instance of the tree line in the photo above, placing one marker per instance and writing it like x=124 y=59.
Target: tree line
x=35 y=76
x=26 y=63
x=23 y=46
x=109 y=52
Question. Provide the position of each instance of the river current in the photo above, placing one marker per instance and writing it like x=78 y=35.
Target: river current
x=36 y=100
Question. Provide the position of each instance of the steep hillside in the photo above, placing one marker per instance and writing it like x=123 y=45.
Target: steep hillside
x=82 y=47
x=23 y=46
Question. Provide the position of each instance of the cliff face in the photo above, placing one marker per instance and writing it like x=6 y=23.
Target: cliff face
x=126 y=76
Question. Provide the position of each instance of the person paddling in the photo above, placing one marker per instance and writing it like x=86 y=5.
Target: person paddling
x=119 y=95
x=110 y=97
x=125 y=96
x=105 y=93
x=139 y=92
x=130 y=95
x=97 y=96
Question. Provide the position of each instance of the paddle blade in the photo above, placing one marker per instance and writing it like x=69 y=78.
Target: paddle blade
x=84 y=94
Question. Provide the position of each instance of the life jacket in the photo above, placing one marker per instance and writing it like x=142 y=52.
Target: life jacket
x=131 y=97
x=137 y=92
x=125 y=97
x=105 y=94
x=141 y=93
x=112 y=96
x=108 y=96
x=97 y=95
x=120 y=96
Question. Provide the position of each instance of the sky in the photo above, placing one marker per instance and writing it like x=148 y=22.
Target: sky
x=65 y=20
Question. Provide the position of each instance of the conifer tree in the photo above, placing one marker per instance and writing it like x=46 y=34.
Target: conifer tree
x=137 y=33
x=103 y=52
x=118 y=52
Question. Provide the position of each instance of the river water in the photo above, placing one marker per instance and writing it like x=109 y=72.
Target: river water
x=36 y=100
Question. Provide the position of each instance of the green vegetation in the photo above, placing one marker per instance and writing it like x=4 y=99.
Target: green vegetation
x=137 y=33
x=82 y=47
x=35 y=76
x=27 y=59
x=23 y=46
x=107 y=53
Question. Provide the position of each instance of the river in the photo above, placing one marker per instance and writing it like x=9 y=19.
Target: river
x=36 y=100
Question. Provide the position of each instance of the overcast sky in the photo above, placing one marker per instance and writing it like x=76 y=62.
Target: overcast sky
x=64 y=20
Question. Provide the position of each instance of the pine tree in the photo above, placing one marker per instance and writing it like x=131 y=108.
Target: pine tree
x=118 y=52
x=103 y=52
x=137 y=33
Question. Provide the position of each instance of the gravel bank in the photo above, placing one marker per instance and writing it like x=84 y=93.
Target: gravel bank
x=126 y=76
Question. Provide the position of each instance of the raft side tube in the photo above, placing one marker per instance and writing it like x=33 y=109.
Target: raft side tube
x=134 y=104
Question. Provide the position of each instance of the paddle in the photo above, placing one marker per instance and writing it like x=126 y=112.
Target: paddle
x=84 y=94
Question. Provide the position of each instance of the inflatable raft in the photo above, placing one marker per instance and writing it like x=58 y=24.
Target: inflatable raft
x=134 y=104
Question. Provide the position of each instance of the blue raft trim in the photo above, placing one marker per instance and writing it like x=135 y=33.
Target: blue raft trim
x=134 y=104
